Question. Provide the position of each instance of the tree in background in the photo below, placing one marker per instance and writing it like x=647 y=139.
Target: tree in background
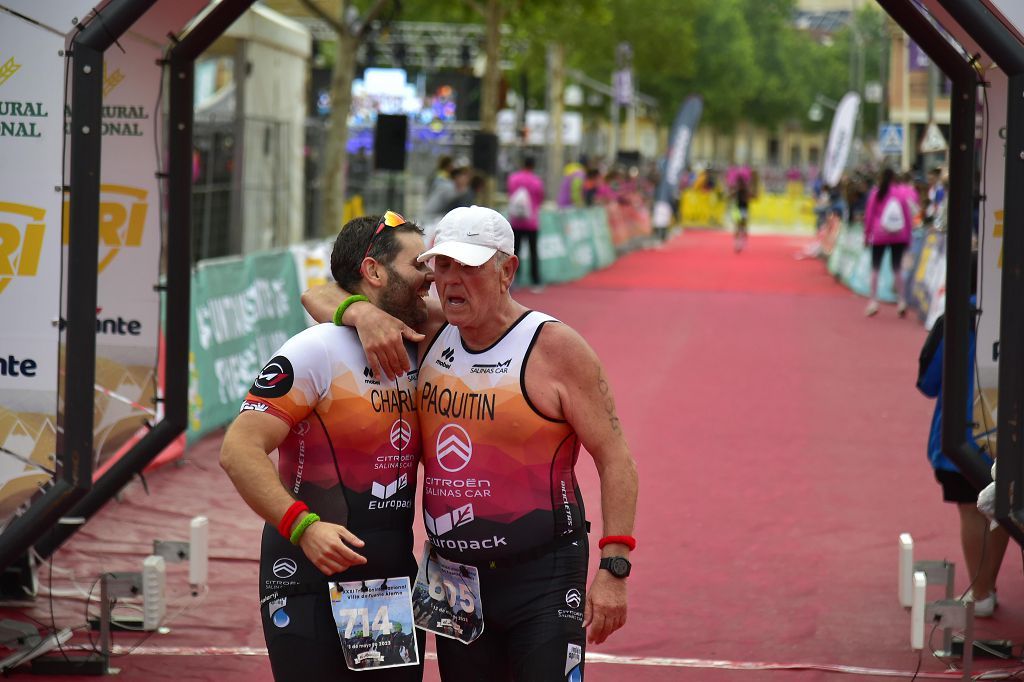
x=351 y=26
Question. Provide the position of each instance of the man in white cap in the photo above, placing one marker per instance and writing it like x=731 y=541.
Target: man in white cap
x=505 y=398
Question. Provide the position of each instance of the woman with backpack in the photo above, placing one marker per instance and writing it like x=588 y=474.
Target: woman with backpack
x=887 y=226
x=525 y=195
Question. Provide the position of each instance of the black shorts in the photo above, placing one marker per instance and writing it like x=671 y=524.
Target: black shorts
x=533 y=623
x=302 y=638
x=956 y=487
x=878 y=252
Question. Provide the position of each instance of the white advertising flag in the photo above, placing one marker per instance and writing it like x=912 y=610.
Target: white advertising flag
x=840 y=138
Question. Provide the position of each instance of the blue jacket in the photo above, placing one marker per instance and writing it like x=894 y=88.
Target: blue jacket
x=930 y=384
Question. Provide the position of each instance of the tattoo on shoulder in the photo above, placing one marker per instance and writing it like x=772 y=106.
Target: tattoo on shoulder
x=609 y=402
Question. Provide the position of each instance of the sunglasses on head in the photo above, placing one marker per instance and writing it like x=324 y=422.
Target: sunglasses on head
x=389 y=219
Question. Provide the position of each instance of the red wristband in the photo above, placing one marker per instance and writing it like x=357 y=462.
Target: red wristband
x=285 y=526
x=627 y=540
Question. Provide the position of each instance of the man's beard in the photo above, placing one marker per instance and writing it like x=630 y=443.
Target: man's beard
x=400 y=300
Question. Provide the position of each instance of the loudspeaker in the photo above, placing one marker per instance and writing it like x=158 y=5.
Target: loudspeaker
x=627 y=157
x=485 y=152
x=389 y=139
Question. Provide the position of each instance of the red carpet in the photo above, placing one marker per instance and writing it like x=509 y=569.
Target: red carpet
x=781 y=448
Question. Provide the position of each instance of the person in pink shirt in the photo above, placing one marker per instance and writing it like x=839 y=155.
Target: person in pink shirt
x=525 y=195
x=887 y=226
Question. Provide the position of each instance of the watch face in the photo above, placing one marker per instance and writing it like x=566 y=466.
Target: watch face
x=617 y=566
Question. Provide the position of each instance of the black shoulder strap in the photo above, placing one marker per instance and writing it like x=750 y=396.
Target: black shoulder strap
x=930 y=347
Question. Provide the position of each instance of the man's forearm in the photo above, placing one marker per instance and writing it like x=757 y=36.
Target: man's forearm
x=619 y=483
x=321 y=301
x=256 y=480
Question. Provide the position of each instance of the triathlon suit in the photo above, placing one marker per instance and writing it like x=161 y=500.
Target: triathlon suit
x=499 y=493
x=352 y=456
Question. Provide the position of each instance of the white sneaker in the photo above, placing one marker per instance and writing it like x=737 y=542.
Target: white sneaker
x=983 y=608
x=901 y=308
x=872 y=309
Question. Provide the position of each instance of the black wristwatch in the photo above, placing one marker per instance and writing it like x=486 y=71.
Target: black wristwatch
x=618 y=566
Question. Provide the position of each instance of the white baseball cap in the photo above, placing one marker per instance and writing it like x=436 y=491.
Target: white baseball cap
x=471 y=235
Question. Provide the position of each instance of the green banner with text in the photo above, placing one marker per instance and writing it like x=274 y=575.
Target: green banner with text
x=571 y=243
x=243 y=310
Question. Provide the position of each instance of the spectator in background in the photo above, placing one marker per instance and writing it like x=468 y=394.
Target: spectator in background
x=445 y=192
x=741 y=215
x=525 y=196
x=570 y=192
x=593 y=187
x=909 y=192
x=935 y=209
x=983 y=548
x=442 y=173
x=887 y=226
x=468 y=187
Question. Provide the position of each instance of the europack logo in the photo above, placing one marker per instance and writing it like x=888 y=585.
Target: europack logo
x=122 y=220
x=383 y=492
x=448 y=521
x=21 y=241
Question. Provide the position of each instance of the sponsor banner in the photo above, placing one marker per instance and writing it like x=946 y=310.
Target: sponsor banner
x=927 y=287
x=243 y=310
x=128 y=303
x=850 y=263
x=571 y=243
x=601 y=234
x=840 y=138
x=32 y=147
x=31 y=144
x=627 y=222
x=59 y=15
x=990 y=240
x=553 y=250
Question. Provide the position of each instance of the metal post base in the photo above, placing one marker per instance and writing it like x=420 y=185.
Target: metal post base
x=953 y=614
x=31 y=644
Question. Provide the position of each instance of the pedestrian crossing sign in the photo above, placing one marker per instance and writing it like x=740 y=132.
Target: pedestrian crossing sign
x=890 y=139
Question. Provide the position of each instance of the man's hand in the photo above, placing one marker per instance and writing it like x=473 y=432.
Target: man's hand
x=325 y=545
x=383 y=338
x=605 y=611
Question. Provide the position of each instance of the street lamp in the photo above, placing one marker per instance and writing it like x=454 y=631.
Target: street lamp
x=816 y=113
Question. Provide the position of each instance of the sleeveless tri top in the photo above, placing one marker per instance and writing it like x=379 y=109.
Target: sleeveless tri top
x=354 y=445
x=498 y=475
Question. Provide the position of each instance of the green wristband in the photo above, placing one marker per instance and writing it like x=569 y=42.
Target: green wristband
x=344 y=306
x=307 y=521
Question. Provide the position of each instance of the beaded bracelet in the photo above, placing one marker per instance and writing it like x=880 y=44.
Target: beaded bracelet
x=307 y=521
x=355 y=298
